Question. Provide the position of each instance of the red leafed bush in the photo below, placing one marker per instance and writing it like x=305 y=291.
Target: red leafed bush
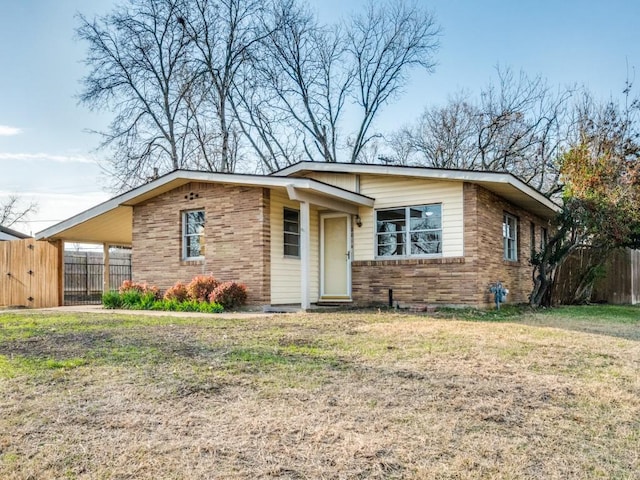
x=229 y=295
x=201 y=287
x=142 y=288
x=177 y=292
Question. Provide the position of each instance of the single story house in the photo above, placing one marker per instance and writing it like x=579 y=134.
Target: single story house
x=316 y=233
x=9 y=234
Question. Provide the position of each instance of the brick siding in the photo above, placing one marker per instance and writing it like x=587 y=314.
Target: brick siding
x=458 y=280
x=237 y=237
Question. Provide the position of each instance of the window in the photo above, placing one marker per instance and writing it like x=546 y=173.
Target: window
x=193 y=234
x=543 y=238
x=510 y=237
x=409 y=231
x=291 y=233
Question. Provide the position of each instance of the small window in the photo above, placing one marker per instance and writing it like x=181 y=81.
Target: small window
x=510 y=237
x=193 y=235
x=543 y=238
x=409 y=231
x=291 y=233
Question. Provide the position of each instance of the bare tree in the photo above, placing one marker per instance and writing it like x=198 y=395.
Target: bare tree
x=385 y=42
x=311 y=74
x=445 y=136
x=195 y=82
x=224 y=33
x=12 y=210
x=138 y=56
x=521 y=126
x=292 y=107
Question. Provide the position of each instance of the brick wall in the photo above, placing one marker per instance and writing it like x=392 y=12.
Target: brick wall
x=459 y=280
x=515 y=276
x=237 y=237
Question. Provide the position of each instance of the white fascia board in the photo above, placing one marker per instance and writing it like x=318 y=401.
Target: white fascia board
x=422 y=172
x=269 y=181
x=128 y=198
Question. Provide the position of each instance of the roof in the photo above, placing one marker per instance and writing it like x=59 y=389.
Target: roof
x=111 y=221
x=9 y=234
x=503 y=184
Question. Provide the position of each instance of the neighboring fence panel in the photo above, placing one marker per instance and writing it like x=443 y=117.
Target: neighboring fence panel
x=569 y=276
x=29 y=273
x=84 y=275
x=620 y=284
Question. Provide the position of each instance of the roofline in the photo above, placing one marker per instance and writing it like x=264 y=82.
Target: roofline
x=128 y=198
x=15 y=233
x=473 y=176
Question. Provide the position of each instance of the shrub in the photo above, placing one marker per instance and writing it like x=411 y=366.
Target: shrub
x=147 y=300
x=111 y=300
x=201 y=287
x=211 y=308
x=229 y=295
x=189 y=306
x=173 y=305
x=177 y=292
x=131 y=299
x=142 y=288
x=167 y=305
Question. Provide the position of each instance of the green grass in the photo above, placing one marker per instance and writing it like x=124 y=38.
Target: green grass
x=624 y=314
x=462 y=394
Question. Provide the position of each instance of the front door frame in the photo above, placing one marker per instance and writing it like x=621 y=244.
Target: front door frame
x=349 y=255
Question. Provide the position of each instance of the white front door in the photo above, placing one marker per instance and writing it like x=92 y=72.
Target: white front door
x=335 y=257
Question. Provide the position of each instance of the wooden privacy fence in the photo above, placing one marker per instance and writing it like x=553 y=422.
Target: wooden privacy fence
x=619 y=285
x=30 y=273
x=84 y=275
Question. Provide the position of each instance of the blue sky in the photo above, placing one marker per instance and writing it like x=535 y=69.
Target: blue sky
x=47 y=155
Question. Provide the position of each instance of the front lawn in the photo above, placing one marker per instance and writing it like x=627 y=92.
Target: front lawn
x=554 y=394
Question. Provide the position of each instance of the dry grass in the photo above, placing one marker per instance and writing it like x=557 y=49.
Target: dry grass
x=343 y=395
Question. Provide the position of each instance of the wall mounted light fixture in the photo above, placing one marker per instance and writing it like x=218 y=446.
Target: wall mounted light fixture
x=358 y=221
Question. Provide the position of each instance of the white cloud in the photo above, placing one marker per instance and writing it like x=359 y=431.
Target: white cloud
x=47 y=157
x=7 y=131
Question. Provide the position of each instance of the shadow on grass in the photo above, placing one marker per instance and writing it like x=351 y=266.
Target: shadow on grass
x=166 y=349
x=619 y=321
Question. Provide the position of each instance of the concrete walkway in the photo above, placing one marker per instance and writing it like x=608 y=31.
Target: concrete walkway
x=150 y=313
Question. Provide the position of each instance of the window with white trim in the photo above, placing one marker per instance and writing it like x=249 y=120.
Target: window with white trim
x=193 y=235
x=409 y=231
x=291 y=233
x=510 y=237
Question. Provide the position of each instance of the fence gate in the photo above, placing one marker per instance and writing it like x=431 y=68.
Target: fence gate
x=84 y=275
x=29 y=273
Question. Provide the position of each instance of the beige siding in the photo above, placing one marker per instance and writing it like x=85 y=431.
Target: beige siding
x=401 y=192
x=340 y=180
x=285 y=271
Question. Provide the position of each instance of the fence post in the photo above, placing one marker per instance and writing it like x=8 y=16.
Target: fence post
x=60 y=246
x=106 y=271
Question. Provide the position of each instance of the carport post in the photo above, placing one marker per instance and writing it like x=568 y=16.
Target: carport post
x=107 y=268
x=304 y=255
